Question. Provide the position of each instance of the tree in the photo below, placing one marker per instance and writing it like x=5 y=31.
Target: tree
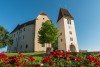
x=55 y=45
x=5 y=38
x=48 y=33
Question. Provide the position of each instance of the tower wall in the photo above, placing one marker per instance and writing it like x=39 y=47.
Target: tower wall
x=38 y=24
x=64 y=41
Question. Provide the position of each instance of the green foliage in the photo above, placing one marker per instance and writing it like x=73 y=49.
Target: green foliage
x=48 y=33
x=55 y=45
x=5 y=38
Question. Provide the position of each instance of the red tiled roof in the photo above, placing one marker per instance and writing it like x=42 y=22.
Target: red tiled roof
x=43 y=13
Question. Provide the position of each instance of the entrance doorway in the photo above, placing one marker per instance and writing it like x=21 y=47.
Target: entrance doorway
x=72 y=48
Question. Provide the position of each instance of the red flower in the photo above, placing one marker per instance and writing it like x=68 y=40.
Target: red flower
x=78 y=59
x=96 y=59
x=53 y=53
x=12 y=59
x=68 y=53
x=72 y=58
x=32 y=59
x=51 y=63
x=3 y=55
x=37 y=65
x=98 y=63
x=25 y=64
x=21 y=55
x=18 y=64
x=59 y=53
x=46 y=60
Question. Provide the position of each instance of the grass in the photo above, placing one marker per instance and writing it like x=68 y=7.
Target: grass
x=37 y=55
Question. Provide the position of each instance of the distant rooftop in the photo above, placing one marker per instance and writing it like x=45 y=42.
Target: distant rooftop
x=43 y=13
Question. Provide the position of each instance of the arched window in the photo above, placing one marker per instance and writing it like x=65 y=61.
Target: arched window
x=69 y=21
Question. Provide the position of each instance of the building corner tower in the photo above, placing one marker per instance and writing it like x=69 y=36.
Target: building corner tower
x=67 y=39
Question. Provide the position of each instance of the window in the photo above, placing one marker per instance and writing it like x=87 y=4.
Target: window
x=21 y=47
x=20 y=31
x=17 y=32
x=71 y=39
x=14 y=35
x=26 y=46
x=60 y=34
x=43 y=45
x=64 y=14
x=61 y=40
x=69 y=21
x=20 y=38
x=70 y=32
x=43 y=18
x=24 y=29
x=23 y=36
x=16 y=39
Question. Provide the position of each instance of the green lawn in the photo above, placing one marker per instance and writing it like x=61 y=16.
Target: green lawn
x=37 y=55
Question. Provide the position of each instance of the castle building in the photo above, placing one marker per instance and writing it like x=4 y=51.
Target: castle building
x=67 y=39
x=25 y=36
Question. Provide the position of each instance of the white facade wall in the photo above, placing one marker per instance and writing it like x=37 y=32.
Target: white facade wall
x=23 y=38
x=29 y=37
x=64 y=28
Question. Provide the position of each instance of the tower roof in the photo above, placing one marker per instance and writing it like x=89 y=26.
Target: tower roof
x=64 y=13
x=43 y=13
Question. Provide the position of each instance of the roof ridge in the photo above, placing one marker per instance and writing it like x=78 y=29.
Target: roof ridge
x=19 y=26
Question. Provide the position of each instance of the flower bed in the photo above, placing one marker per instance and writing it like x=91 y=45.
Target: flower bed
x=54 y=59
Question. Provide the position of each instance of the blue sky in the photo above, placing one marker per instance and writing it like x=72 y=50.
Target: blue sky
x=86 y=14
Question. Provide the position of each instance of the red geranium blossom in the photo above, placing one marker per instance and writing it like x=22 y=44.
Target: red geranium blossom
x=46 y=60
x=3 y=55
x=25 y=64
x=18 y=64
x=37 y=65
x=72 y=58
x=32 y=59
x=78 y=59
x=98 y=63
x=51 y=63
x=12 y=59
x=21 y=55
